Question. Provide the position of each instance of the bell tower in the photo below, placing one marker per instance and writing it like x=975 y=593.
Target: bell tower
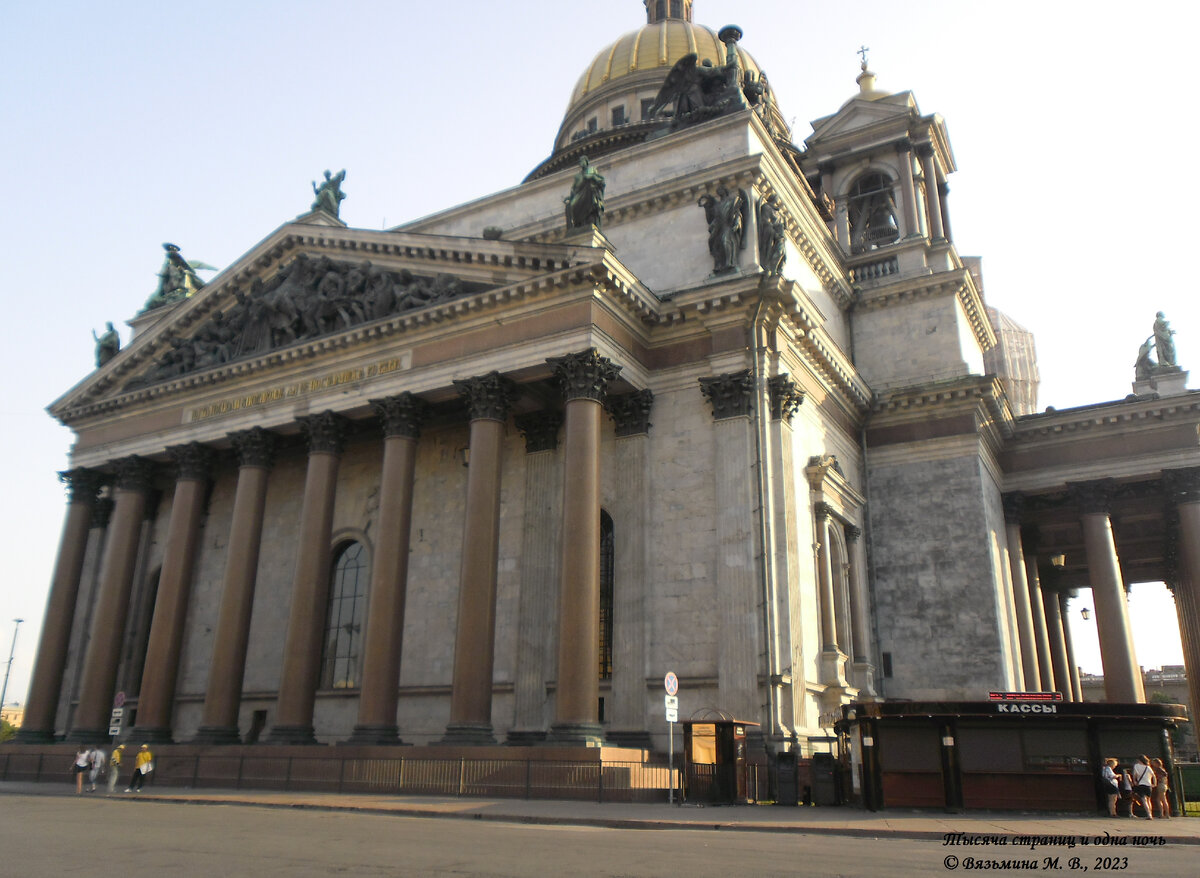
x=661 y=10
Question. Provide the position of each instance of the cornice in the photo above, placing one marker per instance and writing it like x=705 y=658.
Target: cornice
x=956 y=282
x=1135 y=412
x=985 y=392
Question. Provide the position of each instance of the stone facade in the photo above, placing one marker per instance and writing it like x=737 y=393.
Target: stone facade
x=798 y=477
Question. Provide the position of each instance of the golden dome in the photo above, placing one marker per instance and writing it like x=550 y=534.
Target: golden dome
x=656 y=46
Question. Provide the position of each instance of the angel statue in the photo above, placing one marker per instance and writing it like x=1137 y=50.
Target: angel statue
x=700 y=91
x=772 y=237
x=107 y=344
x=1143 y=366
x=329 y=194
x=585 y=204
x=728 y=216
x=177 y=279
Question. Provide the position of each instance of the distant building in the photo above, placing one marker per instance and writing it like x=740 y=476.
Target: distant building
x=1169 y=683
x=13 y=714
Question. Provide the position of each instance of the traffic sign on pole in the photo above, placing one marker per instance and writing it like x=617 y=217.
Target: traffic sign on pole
x=671 y=683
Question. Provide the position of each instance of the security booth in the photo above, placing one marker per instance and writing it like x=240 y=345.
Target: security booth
x=717 y=769
x=1015 y=754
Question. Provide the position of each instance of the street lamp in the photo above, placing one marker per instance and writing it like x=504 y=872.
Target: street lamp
x=11 y=652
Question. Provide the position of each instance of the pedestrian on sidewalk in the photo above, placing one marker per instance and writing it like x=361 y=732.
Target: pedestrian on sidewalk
x=1162 y=789
x=1143 y=784
x=81 y=766
x=1126 y=784
x=114 y=768
x=143 y=764
x=96 y=760
x=1112 y=790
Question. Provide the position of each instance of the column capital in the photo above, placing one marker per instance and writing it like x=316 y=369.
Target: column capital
x=82 y=484
x=402 y=415
x=1014 y=507
x=731 y=395
x=1092 y=497
x=1182 y=485
x=326 y=433
x=786 y=397
x=853 y=533
x=102 y=510
x=540 y=430
x=904 y=145
x=488 y=397
x=584 y=375
x=255 y=447
x=925 y=150
x=192 y=461
x=823 y=511
x=631 y=412
x=943 y=188
x=134 y=474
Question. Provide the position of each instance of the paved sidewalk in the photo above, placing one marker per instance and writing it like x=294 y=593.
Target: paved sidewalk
x=844 y=821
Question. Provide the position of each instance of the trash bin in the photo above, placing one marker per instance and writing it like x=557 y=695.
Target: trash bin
x=787 y=784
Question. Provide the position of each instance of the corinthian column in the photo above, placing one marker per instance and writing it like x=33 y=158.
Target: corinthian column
x=1122 y=676
x=1183 y=489
x=584 y=380
x=1020 y=590
x=156 y=699
x=133 y=484
x=51 y=660
x=732 y=398
x=489 y=399
x=402 y=417
x=256 y=453
x=326 y=434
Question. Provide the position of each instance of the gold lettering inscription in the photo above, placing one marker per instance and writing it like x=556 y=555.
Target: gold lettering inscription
x=335 y=379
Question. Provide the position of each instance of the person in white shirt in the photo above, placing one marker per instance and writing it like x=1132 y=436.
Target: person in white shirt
x=96 y=758
x=1143 y=784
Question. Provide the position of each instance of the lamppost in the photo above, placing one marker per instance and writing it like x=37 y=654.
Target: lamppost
x=8 y=669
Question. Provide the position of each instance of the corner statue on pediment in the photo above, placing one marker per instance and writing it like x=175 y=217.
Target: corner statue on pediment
x=107 y=345
x=329 y=194
x=585 y=204
x=177 y=279
x=1164 y=343
x=1143 y=365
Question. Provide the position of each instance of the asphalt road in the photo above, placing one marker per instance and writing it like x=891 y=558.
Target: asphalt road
x=55 y=836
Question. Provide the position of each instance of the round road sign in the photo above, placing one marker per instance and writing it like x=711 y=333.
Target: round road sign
x=671 y=683
x=119 y=701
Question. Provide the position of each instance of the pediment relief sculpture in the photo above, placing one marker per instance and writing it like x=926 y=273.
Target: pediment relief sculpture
x=306 y=299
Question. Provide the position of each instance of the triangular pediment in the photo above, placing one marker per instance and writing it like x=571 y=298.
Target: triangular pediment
x=859 y=114
x=308 y=287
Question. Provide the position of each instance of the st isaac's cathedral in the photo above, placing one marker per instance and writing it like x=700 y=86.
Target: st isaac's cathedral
x=691 y=397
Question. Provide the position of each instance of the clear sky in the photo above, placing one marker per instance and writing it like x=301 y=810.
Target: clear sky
x=127 y=124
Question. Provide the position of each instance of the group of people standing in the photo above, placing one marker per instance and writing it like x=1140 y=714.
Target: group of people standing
x=93 y=762
x=1146 y=784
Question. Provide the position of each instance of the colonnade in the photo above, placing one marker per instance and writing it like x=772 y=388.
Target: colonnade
x=1046 y=648
x=583 y=379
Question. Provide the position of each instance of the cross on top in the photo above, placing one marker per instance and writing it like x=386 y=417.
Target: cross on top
x=862 y=51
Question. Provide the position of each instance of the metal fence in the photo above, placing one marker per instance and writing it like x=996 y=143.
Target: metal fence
x=497 y=778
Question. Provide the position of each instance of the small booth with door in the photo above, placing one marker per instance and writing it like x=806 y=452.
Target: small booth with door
x=717 y=769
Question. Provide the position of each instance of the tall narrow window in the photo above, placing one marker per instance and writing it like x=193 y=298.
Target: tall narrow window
x=872 y=213
x=344 y=622
x=606 y=595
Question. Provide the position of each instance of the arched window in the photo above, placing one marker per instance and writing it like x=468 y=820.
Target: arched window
x=606 y=595
x=344 y=622
x=872 y=213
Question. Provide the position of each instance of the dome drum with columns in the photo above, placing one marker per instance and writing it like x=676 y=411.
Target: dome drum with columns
x=488 y=475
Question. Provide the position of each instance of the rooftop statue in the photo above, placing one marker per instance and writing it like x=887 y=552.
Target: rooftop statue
x=585 y=204
x=699 y=91
x=1144 y=365
x=1164 y=344
x=177 y=279
x=329 y=194
x=107 y=345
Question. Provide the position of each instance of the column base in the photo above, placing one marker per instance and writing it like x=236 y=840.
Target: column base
x=372 y=735
x=634 y=739
x=217 y=735
x=526 y=738
x=151 y=735
x=291 y=735
x=34 y=736
x=468 y=735
x=576 y=735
